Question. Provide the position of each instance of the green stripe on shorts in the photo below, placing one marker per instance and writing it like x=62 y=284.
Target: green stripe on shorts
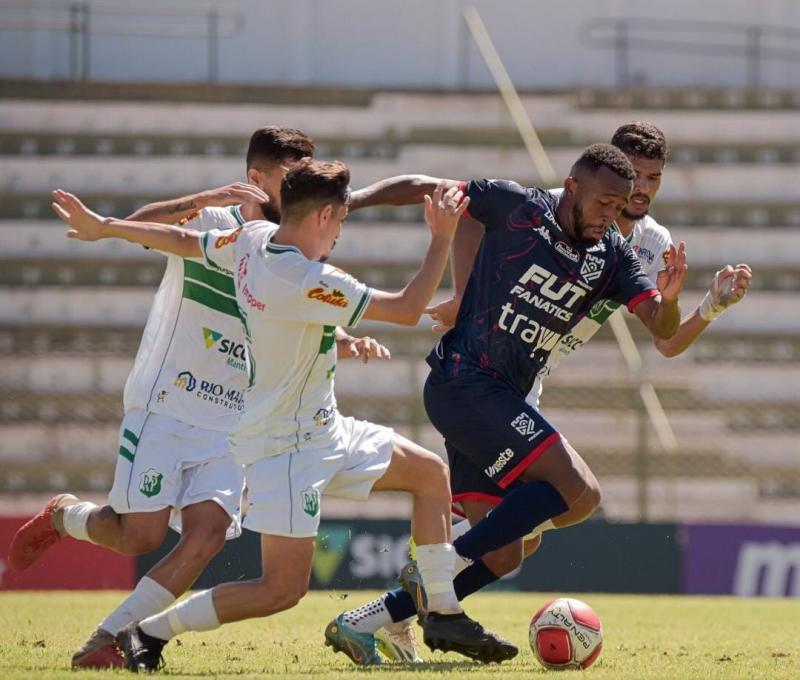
x=127 y=455
x=132 y=438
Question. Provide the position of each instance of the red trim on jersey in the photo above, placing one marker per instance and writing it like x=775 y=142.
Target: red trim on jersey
x=526 y=462
x=641 y=297
x=463 y=188
x=474 y=496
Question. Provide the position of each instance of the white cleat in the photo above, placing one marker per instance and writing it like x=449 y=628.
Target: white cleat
x=397 y=642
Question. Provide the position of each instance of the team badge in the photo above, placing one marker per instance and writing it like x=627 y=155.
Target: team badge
x=150 y=483
x=311 y=501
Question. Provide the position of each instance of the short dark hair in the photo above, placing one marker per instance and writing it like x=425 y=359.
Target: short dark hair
x=641 y=139
x=274 y=144
x=310 y=184
x=604 y=155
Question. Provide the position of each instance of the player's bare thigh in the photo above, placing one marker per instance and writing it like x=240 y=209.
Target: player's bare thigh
x=563 y=467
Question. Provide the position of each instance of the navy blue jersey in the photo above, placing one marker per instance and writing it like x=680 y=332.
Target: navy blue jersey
x=530 y=285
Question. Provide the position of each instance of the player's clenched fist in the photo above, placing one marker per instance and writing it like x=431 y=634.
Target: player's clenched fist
x=730 y=284
x=86 y=225
x=443 y=209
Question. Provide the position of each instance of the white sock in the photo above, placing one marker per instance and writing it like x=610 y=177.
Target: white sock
x=370 y=617
x=459 y=529
x=74 y=519
x=148 y=598
x=194 y=613
x=436 y=563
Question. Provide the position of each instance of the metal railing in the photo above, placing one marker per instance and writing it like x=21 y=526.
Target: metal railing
x=81 y=21
x=752 y=43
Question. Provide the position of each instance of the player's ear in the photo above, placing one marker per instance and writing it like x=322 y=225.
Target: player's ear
x=325 y=214
x=253 y=176
x=570 y=185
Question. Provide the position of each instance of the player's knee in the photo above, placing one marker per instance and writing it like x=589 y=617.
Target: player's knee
x=202 y=544
x=434 y=476
x=140 y=541
x=277 y=599
x=504 y=560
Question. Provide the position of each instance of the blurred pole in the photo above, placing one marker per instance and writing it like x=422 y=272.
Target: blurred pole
x=753 y=56
x=642 y=465
x=547 y=175
x=74 y=40
x=86 y=54
x=622 y=53
x=213 y=45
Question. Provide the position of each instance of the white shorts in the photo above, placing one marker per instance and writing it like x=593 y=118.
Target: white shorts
x=163 y=462
x=284 y=491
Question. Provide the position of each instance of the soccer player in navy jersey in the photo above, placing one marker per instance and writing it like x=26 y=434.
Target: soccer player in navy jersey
x=544 y=262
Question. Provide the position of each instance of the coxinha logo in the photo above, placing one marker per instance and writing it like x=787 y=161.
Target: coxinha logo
x=335 y=297
x=234 y=351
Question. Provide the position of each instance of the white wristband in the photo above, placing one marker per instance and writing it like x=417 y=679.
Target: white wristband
x=710 y=311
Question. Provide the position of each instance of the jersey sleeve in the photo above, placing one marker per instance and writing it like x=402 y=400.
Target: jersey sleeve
x=327 y=296
x=218 y=248
x=492 y=200
x=210 y=218
x=631 y=284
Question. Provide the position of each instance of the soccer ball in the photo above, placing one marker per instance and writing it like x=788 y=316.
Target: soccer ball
x=566 y=633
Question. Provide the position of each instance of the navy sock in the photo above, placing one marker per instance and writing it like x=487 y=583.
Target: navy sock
x=469 y=580
x=400 y=604
x=525 y=508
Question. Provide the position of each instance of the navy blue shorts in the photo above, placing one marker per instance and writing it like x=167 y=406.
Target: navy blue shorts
x=491 y=433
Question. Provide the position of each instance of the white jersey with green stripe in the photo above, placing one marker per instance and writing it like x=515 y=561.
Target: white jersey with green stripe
x=191 y=364
x=290 y=306
x=649 y=241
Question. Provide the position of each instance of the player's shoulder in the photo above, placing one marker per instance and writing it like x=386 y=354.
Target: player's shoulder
x=212 y=217
x=654 y=231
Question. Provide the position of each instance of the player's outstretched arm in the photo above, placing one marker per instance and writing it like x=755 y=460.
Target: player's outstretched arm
x=442 y=213
x=86 y=225
x=178 y=209
x=662 y=315
x=399 y=190
x=729 y=285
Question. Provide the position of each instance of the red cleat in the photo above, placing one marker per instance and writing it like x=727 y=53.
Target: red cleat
x=99 y=651
x=37 y=535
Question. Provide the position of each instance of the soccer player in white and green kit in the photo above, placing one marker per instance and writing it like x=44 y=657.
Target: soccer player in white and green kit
x=291 y=438
x=181 y=399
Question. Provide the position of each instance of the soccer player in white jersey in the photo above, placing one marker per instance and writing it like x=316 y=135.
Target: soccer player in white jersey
x=647 y=149
x=291 y=438
x=181 y=399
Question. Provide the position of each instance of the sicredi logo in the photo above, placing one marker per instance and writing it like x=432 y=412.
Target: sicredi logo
x=234 y=351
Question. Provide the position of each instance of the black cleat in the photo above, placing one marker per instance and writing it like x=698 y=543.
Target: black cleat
x=459 y=633
x=142 y=651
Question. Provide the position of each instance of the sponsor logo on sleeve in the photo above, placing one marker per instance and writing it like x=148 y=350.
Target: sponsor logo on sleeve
x=335 y=297
x=644 y=254
x=544 y=232
x=228 y=239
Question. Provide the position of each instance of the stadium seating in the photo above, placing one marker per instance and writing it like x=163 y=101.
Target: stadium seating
x=71 y=313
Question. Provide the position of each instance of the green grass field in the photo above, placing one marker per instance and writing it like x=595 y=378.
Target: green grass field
x=645 y=637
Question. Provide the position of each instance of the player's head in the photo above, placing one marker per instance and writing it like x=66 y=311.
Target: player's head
x=272 y=151
x=596 y=191
x=646 y=147
x=315 y=196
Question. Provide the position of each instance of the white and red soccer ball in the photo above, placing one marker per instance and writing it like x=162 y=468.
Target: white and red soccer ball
x=566 y=633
